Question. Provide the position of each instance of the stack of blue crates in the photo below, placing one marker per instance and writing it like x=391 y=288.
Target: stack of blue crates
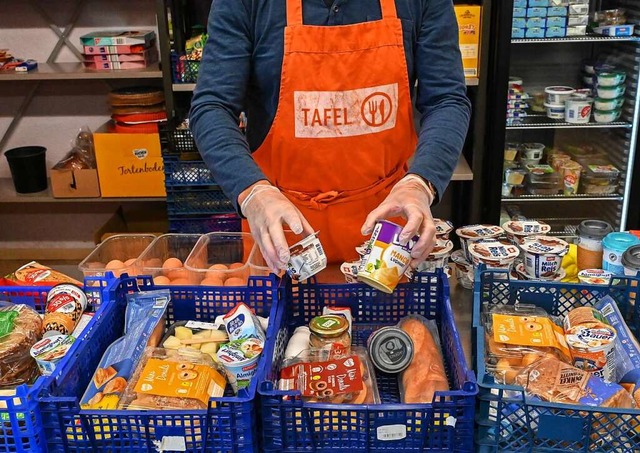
x=537 y=19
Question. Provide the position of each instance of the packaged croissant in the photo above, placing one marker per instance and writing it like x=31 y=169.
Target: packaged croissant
x=518 y=335
x=20 y=329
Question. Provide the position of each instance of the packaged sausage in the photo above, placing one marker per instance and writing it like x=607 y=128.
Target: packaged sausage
x=20 y=329
x=172 y=380
x=144 y=324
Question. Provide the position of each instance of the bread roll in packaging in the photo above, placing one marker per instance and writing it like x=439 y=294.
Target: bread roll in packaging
x=20 y=329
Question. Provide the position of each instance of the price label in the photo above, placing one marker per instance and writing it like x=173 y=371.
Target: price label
x=391 y=432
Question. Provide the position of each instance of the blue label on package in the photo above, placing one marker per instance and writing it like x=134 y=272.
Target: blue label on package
x=517 y=33
x=519 y=12
x=519 y=3
x=534 y=33
x=557 y=11
x=536 y=22
x=556 y=21
x=556 y=32
x=537 y=12
x=519 y=22
x=538 y=3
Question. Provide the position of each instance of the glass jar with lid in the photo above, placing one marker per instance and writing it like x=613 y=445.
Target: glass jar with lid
x=330 y=335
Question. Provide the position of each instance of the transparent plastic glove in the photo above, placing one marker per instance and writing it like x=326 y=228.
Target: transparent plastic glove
x=267 y=210
x=411 y=199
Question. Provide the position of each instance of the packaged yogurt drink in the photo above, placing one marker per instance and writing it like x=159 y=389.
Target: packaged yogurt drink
x=543 y=256
x=388 y=258
x=240 y=361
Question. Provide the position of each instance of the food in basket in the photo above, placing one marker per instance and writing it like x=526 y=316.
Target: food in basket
x=239 y=358
x=543 y=256
x=144 y=324
x=195 y=335
x=65 y=305
x=298 y=345
x=49 y=351
x=20 y=329
x=172 y=380
x=390 y=349
x=557 y=382
x=426 y=374
x=35 y=274
x=307 y=258
x=241 y=322
x=330 y=335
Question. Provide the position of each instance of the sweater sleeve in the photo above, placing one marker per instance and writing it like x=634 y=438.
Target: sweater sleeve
x=219 y=98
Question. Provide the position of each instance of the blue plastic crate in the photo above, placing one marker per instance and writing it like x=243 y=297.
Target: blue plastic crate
x=205 y=224
x=291 y=425
x=509 y=421
x=184 y=71
x=186 y=173
x=21 y=427
x=230 y=423
x=198 y=201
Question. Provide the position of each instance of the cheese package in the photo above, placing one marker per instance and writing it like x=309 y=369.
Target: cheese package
x=469 y=36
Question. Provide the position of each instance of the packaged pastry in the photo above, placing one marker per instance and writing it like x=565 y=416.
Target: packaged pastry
x=65 y=305
x=426 y=374
x=557 y=382
x=144 y=324
x=342 y=380
x=20 y=329
x=172 y=380
x=35 y=274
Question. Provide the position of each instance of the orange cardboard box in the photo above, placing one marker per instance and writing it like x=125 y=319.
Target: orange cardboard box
x=469 y=35
x=129 y=165
x=75 y=183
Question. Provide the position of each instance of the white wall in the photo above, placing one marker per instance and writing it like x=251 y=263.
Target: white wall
x=60 y=107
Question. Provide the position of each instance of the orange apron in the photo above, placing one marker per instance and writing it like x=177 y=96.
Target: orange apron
x=343 y=130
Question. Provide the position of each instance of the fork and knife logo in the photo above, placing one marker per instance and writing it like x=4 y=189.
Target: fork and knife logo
x=376 y=109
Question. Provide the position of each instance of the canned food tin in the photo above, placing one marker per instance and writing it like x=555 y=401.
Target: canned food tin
x=390 y=349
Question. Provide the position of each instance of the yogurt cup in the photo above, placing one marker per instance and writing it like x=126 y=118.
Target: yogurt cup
x=474 y=233
x=558 y=94
x=532 y=151
x=438 y=257
x=49 y=351
x=555 y=111
x=350 y=271
x=543 y=256
x=631 y=261
x=522 y=274
x=611 y=78
x=608 y=104
x=595 y=276
x=611 y=92
x=511 y=151
x=578 y=110
x=515 y=176
x=518 y=230
x=307 y=258
x=493 y=254
x=240 y=361
x=388 y=258
x=613 y=247
x=462 y=269
x=606 y=116
x=443 y=228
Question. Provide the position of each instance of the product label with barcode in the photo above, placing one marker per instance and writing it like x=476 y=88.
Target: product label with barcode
x=173 y=443
x=201 y=325
x=391 y=432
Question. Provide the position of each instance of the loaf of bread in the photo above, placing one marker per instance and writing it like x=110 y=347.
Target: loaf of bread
x=425 y=375
x=23 y=328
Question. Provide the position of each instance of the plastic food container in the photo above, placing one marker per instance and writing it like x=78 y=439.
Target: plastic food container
x=557 y=95
x=543 y=256
x=462 y=269
x=164 y=259
x=555 y=111
x=581 y=20
x=518 y=230
x=615 y=30
x=611 y=78
x=510 y=151
x=507 y=189
x=571 y=172
x=443 y=228
x=218 y=257
x=514 y=176
x=526 y=162
x=521 y=274
x=594 y=276
x=589 y=80
x=599 y=179
x=616 y=16
x=532 y=150
x=606 y=116
x=493 y=254
x=631 y=261
x=578 y=110
x=608 y=104
x=613 y=247
x=438 y=257
x=474 y=233
x=590 y=236
x=118 y=254
x=611 y=92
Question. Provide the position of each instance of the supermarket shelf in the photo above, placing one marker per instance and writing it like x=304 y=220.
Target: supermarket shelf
x=579 y=197
x=462 y=171
x=573 y=39
x=181 y=87
x=9 y=195
x=76 y=71
x=543 y=122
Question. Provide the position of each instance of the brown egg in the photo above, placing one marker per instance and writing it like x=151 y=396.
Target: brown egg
x=130 y=262
x=217 y=271
x=95 y=265
x=115 y=266
x=173 y=268
x=161 y=280
x=212 y=281
x=235 y=281
x=236 y=265
x=179 y=281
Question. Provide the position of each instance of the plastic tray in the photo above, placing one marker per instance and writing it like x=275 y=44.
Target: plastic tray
x=507 y=420
x=446 y=424
x=21 y=425
x=167 y=246
x=198 y=201
x=119 y=247
x=230 y=423
x=204 y=224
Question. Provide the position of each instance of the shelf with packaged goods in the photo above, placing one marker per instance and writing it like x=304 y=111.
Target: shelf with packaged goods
x=578 y=197
x=9 y=195
x=76 y=71
x=187 y=87
x=543 y=122
x=589 y=38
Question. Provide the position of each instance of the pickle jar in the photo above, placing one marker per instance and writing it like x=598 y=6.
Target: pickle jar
x=329 y=333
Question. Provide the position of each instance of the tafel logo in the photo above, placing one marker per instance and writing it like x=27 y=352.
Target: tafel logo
x=329 y=114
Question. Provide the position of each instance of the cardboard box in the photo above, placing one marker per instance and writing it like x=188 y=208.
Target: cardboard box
x=75 y=183
x=129 y=165
x=469 y=28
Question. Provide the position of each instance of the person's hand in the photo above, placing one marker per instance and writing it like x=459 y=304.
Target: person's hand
x=267 y=210
x=410 y=198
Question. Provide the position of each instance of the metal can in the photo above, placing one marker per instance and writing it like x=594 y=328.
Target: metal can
x=390 y=349
x=330 y=335
x=65 y=305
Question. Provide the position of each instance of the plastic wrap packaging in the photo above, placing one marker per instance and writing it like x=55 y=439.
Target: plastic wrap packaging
x=197 y=336
x=426 y=373
x=518 y=335
x=35 y=274
x=82 y=155
x=173 y=380
x=349 y=379
x=20 y=329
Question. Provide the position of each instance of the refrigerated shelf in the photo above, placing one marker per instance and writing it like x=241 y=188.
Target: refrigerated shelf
x=543 y=122
x=589 y=38
x=580 y=197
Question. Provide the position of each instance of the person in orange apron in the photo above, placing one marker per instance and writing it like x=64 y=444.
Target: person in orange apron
x=337 y=152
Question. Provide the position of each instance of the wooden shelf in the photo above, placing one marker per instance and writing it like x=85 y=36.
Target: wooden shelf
x=9 y=195
x=76 y=71
x=462 y=171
